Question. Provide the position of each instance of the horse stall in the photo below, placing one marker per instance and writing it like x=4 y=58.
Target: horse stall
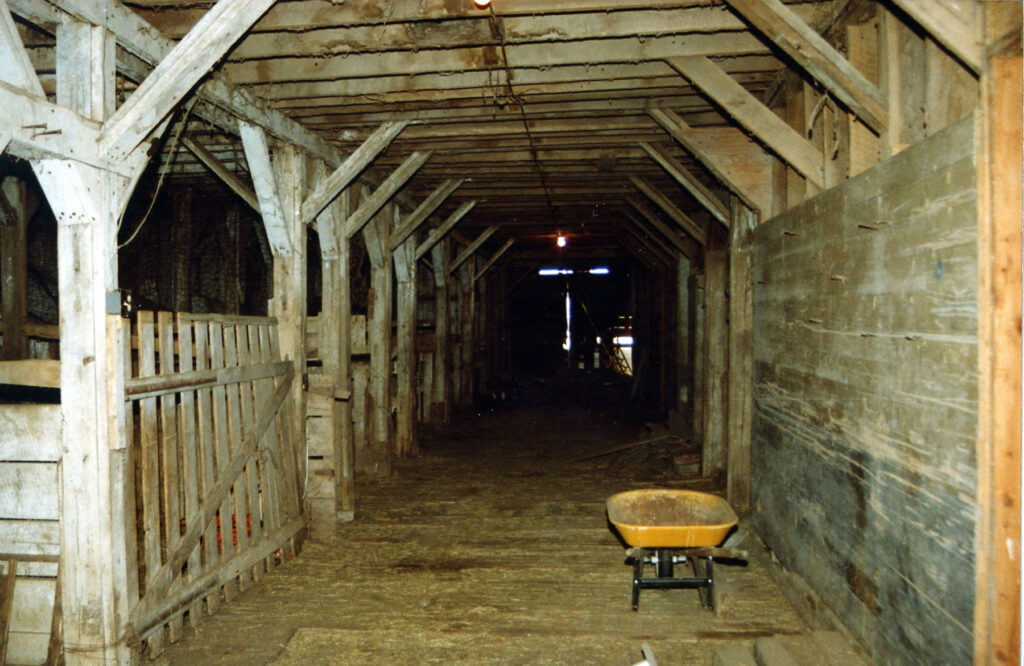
x=216 y=481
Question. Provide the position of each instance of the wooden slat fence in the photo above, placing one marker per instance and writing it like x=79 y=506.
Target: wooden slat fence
x=217 y=470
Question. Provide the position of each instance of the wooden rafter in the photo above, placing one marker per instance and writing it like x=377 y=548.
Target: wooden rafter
x=436 y=235
x=226 y=175
x=257 y=152
x=673 y=211
x=681 y=175
x=662 y=232
x=178 y=72
x=384 y=193
x=472 y=248
x=416 y=218
x=684 y=134
x=754 y=116
x=15 y=67
x=494 y=258
x=808 y=49
x=331 y=186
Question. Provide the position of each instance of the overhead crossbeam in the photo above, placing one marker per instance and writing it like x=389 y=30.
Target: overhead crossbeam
x=807 y=48
x=410 y=224
x=665 y=232
x=664 y=203
x=681 y=175
x=754 y=116
x=226 y=175
x=353 y=165
x=955 y=25
x=369 y=207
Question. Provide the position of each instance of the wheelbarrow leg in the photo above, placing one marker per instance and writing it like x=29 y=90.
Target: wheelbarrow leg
x=638 y=573
x=664 y=563
x=703 y=568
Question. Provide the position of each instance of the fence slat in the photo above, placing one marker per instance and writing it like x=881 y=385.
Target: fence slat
x=240 y=517
x=208 y=446
x=170 y=476
x=223 y=428
x=150 y=467
x=191 y=462
x=252 y=472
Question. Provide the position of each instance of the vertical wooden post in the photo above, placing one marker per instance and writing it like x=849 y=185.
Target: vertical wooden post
x=467 y=326
x=697 y=303
x=440 y=410
x=997 y=594
x=684 y=345
x=288 y=304
x=741 y=359
x=378 y=325
x=405 y=366
x=98 y=572
x=14 y=216
x=336 y=346
x=716 y=357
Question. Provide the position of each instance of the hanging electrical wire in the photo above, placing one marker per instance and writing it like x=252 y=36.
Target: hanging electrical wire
x=172 y=153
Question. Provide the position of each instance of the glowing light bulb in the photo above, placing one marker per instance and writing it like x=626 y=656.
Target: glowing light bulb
x=482 y=3
x=562 y=241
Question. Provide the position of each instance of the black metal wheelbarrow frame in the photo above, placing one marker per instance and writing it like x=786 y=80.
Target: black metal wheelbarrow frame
x=664 y=560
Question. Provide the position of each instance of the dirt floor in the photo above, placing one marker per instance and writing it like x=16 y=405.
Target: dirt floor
x=492 y=547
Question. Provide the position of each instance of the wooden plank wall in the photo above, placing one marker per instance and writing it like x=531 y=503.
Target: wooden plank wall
x=30 y=436
x=865 y=398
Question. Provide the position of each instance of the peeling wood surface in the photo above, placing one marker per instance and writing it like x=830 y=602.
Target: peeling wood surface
x=866 y=397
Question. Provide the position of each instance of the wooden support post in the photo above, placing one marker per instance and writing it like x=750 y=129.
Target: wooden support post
x=440 y=409
x=997 y=551
x=98 y=571
x=467 y=326
x=336 y=346
x=697 y=302
x=716 y=358
x=288 y=304
x=378 y=325
x=741 y=354
x=14 y=214
x=405 y=364
x=684 y=350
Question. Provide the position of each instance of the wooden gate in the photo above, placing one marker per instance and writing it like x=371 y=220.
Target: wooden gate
x=217 y=471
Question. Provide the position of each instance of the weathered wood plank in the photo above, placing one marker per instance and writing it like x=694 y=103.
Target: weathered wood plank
x=369 y=207
x=665 y=204
x=411 y=223
x=257 y=153
x=30 y=491
x=471 y=249
x=702 y=194
x=753 y=115
x=956 y=26
x=493 y=259
x=226 y=175
x=15 y=66
x=30 y=433
x=438 y=234
x=43 y=373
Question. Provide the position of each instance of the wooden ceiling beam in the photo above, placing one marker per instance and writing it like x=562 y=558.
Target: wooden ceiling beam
x=754 y=116
x=488 y=58
x=808 y=49
x=174 y=20
x=494 y=258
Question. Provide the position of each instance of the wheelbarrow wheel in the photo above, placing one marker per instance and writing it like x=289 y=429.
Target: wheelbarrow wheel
x=703 y=568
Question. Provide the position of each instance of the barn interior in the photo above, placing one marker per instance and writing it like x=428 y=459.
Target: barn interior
x=278 y=278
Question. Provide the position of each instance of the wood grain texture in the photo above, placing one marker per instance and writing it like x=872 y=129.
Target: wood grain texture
x=865 y=408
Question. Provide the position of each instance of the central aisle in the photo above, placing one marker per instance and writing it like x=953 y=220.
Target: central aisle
x=490 y=548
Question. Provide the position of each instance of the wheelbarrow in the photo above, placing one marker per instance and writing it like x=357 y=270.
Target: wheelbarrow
x=668 y=527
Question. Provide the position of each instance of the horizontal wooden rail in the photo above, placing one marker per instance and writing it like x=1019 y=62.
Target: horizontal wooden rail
x=148 y=387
